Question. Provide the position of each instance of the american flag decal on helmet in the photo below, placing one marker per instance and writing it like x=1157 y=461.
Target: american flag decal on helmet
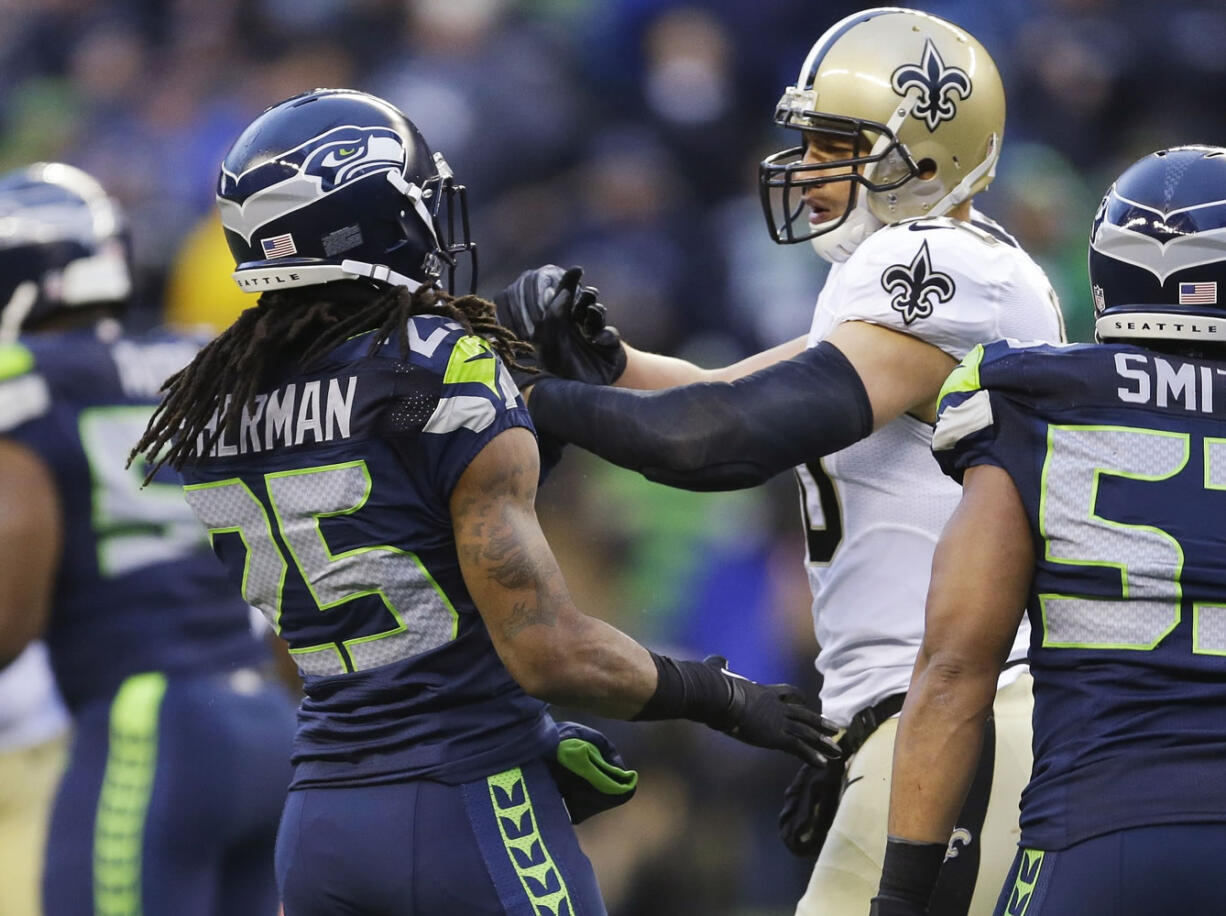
x=1198 y=293
x=279 y=246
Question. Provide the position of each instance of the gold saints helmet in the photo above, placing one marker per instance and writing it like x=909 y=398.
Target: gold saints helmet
x=920 y=105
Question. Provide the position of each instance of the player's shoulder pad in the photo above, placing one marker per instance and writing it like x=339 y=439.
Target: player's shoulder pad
x=939 y=233
x=476 y=386
x=1009 y=366
x=15 y=359
x=24 y=393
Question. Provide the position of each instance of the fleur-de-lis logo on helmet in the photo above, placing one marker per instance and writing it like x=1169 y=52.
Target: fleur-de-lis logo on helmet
x=937 y=84
x=917 y=288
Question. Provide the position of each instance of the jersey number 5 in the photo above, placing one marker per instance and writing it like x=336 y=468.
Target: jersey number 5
x=1149 y=559
x=423 y=617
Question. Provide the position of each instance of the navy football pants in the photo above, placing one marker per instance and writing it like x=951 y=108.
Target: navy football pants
x=1146 y=871
x=170 y=801
x=498 y=845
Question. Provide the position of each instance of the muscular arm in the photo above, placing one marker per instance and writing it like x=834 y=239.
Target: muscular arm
x=980 y=576
x=651 y=371
x=30 y=544
x=552 y=650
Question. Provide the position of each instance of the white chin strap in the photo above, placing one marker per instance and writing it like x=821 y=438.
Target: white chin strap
x=962 y=190
x=262 y=279
x=838 y=244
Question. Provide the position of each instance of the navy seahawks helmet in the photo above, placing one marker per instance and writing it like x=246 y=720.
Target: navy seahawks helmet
x=63 y=245
x=1158 y=249
x=336 y=184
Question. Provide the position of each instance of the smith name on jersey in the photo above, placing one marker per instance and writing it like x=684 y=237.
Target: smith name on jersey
x=329 y=506
x=1119 y=455
x=137 y=588
x=874 y=510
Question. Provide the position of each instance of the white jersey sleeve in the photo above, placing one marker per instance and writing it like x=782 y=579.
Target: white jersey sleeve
x=951 y=283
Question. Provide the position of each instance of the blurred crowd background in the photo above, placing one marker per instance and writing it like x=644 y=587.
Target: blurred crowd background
x=624 y=136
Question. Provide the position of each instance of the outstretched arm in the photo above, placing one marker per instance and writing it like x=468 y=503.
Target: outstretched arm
x=715 y=435
x=724 y=436
x=980 y=576
x=558 y=654
x=30 y=543
x=651 y=371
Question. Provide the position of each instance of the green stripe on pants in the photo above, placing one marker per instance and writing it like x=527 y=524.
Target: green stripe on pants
x=541 y=879
x=124 y=800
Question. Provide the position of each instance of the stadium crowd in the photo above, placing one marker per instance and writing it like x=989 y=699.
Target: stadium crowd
x=622 y=135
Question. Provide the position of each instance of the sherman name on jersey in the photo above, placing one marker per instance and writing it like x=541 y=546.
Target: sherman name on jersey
x=1118 y=455
x=952 y=284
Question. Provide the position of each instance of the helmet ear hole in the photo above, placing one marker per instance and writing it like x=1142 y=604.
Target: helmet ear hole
x=927 y=169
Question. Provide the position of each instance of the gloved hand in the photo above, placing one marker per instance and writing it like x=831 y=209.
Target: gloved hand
x=589 y=772
x=548 y=307
x=521 y=305
x=895 y=906
x=773 y=716
x=809 y=805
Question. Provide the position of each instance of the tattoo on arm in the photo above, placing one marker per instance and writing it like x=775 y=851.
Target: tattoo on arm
x=524 y=615
x=510 y=565
x=496 y=539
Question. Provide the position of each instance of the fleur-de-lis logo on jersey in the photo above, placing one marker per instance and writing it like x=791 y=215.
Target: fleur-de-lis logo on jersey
x=937 y=84
x=917 y=288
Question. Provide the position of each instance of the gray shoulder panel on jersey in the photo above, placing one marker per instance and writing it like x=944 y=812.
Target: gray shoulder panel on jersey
x=24 y=394
x=22 y=399
x=961 y=420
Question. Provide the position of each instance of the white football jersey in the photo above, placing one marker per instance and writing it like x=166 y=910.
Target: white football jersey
x=874 y=510
x=31 y=710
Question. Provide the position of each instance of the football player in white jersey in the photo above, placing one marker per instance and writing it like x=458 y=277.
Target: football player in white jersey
x=33 y=749
x=900 y=116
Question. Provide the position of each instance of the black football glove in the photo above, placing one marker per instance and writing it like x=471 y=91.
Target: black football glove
x=895 y=906
x=564 y=320
x=521 y=305
x=809 y=805
x=774 y=716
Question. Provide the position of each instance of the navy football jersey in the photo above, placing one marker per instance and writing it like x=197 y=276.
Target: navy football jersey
x=1119 y=455
x=137 y=587
x=330 y=507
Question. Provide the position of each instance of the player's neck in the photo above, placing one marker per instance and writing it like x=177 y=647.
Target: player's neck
x=962 y=211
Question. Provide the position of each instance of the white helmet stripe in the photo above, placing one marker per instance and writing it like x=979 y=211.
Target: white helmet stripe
x=1160 y=259
x=817 y=53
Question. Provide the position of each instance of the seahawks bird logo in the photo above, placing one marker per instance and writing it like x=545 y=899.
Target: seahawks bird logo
x=961 y=837
x=300 y=176
x=916 y=287
x=937 y=85
x=1160 y=241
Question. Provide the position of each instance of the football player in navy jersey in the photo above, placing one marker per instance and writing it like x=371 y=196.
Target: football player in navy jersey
x=357 y=447
x=1093 y=492
x=177 y=769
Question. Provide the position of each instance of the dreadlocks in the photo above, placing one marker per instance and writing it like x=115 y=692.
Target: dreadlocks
x=227 y=374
